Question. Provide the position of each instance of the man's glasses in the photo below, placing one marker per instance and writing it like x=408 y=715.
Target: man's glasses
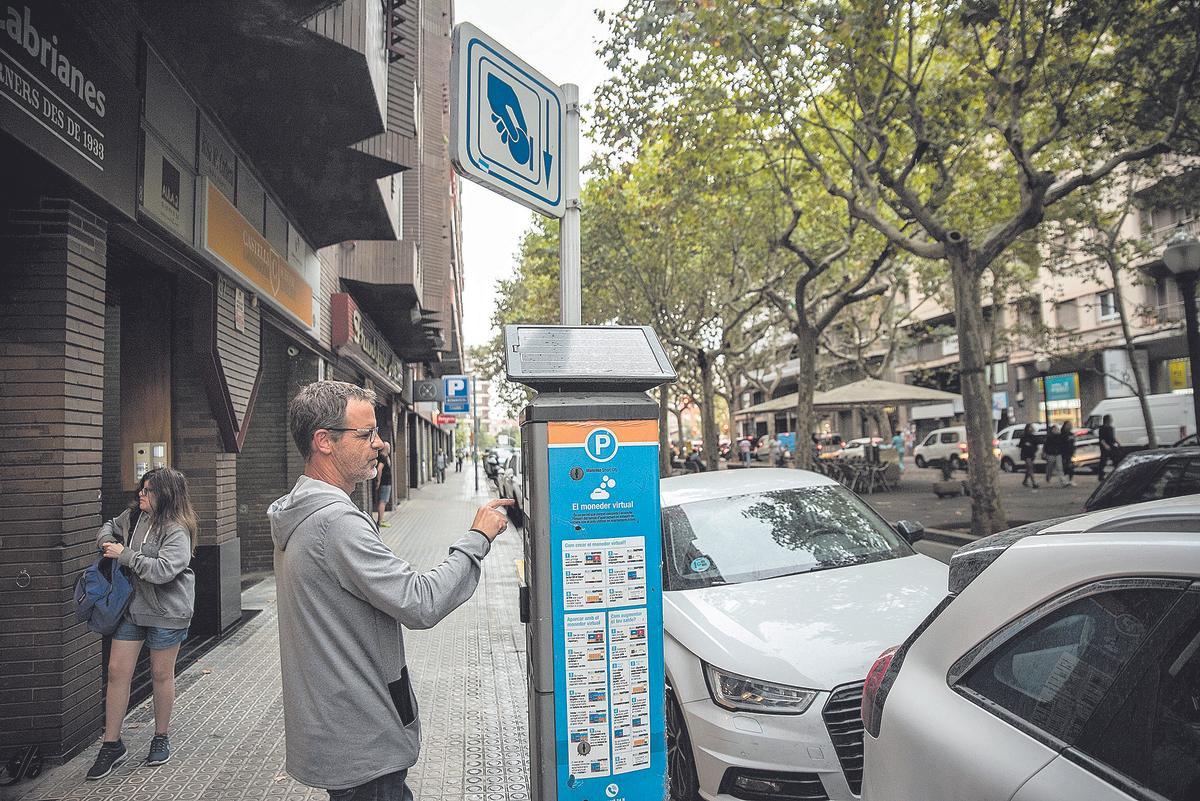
x=362 y=433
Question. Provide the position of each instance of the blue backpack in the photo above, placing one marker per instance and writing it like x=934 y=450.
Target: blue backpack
x=102 y=594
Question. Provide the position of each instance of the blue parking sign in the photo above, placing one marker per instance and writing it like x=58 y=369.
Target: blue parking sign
x=457 y=394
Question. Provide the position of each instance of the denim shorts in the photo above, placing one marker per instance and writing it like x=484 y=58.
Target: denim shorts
x=385 y=493
x=158 y=639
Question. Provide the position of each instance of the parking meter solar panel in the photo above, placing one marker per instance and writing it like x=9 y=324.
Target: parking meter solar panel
x=547 y=357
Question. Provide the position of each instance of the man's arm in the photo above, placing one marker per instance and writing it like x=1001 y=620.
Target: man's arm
x=367 y=568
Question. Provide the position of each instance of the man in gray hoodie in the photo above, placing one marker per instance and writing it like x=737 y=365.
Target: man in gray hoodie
x=350 y=715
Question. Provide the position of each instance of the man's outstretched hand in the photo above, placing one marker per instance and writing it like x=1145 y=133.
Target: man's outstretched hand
x=490 y=520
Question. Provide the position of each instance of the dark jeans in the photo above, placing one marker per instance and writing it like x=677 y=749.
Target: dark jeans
x=390 y=787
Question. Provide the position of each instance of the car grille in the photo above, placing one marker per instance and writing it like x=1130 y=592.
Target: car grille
x=843 y=719
x=765 y=785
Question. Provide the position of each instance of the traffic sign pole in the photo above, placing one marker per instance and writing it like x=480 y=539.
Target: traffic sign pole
x=475 y=442
x=570 y=278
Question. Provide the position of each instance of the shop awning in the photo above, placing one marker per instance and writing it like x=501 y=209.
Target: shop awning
x=874 y=392
x=867 y=392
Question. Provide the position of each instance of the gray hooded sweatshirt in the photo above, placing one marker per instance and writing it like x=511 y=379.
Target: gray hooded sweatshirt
x=350 y=714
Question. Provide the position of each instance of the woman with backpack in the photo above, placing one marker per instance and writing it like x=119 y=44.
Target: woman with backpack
x=154 y=539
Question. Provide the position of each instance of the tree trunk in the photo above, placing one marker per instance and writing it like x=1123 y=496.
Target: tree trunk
x=987 y=512
x=708 y=410
x=1131 y=353
x=882 y=422
x=664 y=438
x=684 y=450
x=806 y=363
x=733 y=432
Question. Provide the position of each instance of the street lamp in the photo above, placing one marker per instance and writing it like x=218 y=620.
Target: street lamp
x=1182 y=257
x=1043 y=367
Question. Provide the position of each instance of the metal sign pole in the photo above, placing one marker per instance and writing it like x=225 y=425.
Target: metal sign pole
x=570 y=280
x=475 y=439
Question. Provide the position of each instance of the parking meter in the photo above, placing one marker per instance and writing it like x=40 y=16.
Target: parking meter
x=593 y=544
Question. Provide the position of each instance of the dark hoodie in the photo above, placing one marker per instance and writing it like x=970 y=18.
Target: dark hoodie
x=350 y=714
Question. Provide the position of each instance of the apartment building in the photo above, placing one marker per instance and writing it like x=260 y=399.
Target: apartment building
x=1059 y=347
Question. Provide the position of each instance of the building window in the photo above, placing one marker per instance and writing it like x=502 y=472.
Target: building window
x=1106 y=303
x=997 y=374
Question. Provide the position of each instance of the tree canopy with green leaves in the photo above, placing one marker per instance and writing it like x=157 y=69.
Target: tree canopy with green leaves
x=949 y=128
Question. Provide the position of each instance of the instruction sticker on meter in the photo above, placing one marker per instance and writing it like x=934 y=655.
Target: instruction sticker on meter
x=606 y=545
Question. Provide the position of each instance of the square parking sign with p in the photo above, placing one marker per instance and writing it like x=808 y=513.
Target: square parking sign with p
x=457 y=392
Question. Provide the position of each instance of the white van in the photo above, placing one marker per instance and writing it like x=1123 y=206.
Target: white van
x=1173 y=415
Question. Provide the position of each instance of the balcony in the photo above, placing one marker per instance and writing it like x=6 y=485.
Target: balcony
x=301 y=85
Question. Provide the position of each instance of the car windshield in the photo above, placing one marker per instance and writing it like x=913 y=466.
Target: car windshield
x=771 y=534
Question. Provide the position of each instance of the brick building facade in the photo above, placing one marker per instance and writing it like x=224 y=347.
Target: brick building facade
x=182 y=208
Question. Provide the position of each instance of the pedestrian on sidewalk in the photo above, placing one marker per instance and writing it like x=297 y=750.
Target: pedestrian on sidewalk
x=383 y=484
x=744 y=451
x=898 y=446
x=1052 y=450
x=440 y=465
x=350 y=714
x=155 y=539
x=458 y=460
x=1108 y=445
x=1067 y=452
x=1029 y=448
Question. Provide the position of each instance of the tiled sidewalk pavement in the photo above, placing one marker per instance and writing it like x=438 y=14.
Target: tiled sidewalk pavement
x=227 y=728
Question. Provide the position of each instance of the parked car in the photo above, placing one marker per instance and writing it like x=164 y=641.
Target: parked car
x=1087 y=448
x=780 y=587
x=943 y=444
x=827 y=443
x=857 y=448
x=1063 y=665
x=1148 y=476
x=1174 y=417
x=511 y=481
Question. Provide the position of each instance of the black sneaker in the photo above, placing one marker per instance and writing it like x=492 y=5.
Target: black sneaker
x=160 y=750
x=111 y=755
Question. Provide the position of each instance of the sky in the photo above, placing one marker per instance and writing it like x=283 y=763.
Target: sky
x=559 y=39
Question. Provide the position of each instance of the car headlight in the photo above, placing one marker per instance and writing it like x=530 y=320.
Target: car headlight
x=744 y=694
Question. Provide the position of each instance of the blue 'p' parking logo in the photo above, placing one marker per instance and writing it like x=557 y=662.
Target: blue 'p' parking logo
x=601 y=445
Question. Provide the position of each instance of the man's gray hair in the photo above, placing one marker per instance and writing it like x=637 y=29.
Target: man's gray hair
x=322 y=404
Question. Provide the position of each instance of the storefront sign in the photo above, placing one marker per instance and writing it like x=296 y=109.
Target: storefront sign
x=168 y=189
x=217 y=159
x=446 y=419
x=238 y=246
x=355 y=335
x=1062 y=387
x=1177 y=374
x=62 y=97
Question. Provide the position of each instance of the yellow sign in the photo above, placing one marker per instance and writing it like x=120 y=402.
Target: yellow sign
x=1178 y=373
x=233 y=240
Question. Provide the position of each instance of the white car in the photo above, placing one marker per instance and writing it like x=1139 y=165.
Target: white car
x=943 y=443
x=857 y=448
x=1063 y=665
x=780 y=588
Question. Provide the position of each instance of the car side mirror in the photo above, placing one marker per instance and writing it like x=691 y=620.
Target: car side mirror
x=911 y=530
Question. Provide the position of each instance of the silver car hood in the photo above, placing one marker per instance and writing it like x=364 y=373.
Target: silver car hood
x=815 y=630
